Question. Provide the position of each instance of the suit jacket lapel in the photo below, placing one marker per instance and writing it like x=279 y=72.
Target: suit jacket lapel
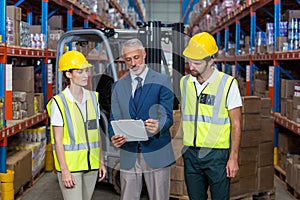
x=128 y=91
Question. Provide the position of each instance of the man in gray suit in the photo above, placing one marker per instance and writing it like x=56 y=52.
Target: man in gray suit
x=147 y=95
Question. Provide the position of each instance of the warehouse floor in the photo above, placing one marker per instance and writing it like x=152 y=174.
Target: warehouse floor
x=46 y=187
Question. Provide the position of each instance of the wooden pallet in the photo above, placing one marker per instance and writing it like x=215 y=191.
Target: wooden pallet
x=258 y=195
x=292 y=191
x=280 y=173
x=178 y=197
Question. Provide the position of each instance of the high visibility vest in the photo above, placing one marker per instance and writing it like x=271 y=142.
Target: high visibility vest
x=205 y=119
x=81 y=140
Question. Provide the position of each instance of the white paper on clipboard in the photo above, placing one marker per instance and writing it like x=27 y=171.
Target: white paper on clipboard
x=134 y=130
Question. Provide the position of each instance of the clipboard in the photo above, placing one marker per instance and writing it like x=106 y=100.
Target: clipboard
x=134 y=130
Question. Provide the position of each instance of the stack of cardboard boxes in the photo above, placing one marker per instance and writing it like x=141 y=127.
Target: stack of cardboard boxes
x=288 y=101
x=20 y=162
x=14 y=15
x=256 y=149
x=260 y=84
x=23 y=91
x=178 y=187
x=293 y=175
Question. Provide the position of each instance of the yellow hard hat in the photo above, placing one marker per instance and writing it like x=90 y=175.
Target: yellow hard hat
x=200 y=46
x=72 y=60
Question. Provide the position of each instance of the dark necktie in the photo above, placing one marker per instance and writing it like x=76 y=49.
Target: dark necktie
x=138 y=91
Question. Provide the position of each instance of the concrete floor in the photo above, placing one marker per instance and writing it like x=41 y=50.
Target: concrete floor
x=46 y=188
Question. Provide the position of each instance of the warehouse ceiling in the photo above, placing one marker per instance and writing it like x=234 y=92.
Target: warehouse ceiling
x=166 y=11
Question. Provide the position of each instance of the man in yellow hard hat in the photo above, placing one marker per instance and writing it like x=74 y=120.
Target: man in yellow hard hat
x=211 y=115
x=75 y=134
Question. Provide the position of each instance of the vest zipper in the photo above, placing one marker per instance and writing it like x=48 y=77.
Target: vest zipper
x=196 y=121
x=86 y=136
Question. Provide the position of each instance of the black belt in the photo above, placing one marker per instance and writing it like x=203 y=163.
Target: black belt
x=139 y=148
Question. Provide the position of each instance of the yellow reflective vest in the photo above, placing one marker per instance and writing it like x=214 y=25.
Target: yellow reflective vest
x=81 y=140
x=205 y=118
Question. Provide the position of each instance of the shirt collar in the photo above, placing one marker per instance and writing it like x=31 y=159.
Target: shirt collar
x=69 y=95
x=142 y=75
x=210 y=79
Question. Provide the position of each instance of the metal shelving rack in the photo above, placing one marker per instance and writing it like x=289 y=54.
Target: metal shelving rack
x=249 y=10
x=14 y=51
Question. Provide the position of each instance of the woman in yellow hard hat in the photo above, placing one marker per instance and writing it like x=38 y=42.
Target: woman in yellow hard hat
x=212 y=135
x=75 y=133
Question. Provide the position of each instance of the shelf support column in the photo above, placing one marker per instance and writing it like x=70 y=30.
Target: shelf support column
x=252 y=29
x=86 y=23
x=275 y=94
x=29 y=14
x=219 y=40
x=237 y=36
x=226 y=38
x=69 y=23
x=2 y=83
x=46 y=87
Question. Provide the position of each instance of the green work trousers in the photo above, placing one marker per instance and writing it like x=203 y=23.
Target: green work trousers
x=203 y=168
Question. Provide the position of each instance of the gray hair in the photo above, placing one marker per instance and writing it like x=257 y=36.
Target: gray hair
x=133 y=43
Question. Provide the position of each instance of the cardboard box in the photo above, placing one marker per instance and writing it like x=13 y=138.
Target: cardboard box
x=296 y=103
x=266 y=177
x=248 y=184
x=262 y=49
x=287 y=88
x=56 y=22
x=30 y=110
x=283 y=105
x=20 y=162
x=267 y=129
x=289 y=143
x=266 y=107
x=14 y=12
x=270 y=48
x=249 y=169
x=39 y=99
x=289 y=109
x=265 y=154
x=297 y=183
x=289 y=14
x=177 y=147
x=280 y=42
x=37 y=29
x=177 y=173
x=260 y=86
x=179 y=161
x=29 y=97
x=248 y=155
x=234 y=189
x=250 y=138
x=251 y=122
x=24 y=85
x=296 y=116
x=177 y=187
x=23 y=73
x=251 y=104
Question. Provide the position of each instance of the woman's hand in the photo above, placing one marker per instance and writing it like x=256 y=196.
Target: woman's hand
x=67 y=179
x=102 y=172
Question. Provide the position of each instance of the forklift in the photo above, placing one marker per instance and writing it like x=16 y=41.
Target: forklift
x=102 y=49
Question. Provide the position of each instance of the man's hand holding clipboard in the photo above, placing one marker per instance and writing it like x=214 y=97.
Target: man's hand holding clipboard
x=132 y=130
